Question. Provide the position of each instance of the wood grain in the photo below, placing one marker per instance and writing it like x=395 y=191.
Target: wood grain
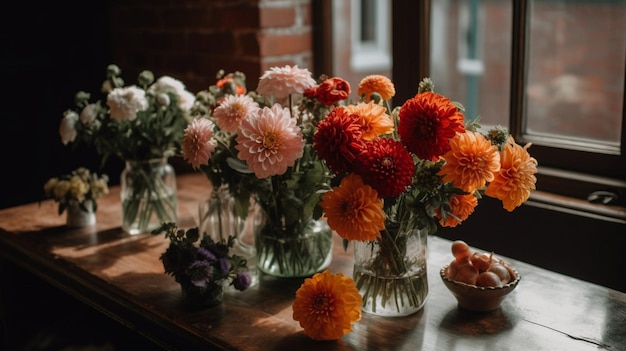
x=122 y=277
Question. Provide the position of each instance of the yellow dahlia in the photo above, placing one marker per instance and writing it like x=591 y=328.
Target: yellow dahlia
x=461 y=206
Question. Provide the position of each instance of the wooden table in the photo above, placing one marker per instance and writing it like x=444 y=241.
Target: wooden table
x=122 y=277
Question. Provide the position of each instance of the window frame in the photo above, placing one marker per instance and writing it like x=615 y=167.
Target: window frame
x=573 y=174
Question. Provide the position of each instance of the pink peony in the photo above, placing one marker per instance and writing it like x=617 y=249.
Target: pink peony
x=198 y=142
x=234 y=109
x=270 y=141
x=282 y=81
x=124 y=103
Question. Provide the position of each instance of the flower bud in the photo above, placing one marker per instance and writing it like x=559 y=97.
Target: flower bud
x=113 y=71
x=145 y=78
x=81 y=98
x=163 y=99
x=426 y=85
x=88 y=114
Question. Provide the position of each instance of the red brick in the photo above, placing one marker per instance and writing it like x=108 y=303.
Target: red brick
x=275 y=17
x=278 y=44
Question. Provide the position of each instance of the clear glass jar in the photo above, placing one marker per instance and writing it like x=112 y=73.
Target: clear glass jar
x=390 y=271
x=220 y=218
x=148 y=195
x=299 y=253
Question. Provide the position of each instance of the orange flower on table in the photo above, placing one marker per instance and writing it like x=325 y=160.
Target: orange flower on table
x=376 y=84
x=516 y=178
x=373 y=118
x=461 y=207
x=327 y=305
x=426 y=124
x=354 y=209
x=471 y=162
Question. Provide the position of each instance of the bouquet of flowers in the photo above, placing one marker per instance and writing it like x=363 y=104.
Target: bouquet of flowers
x=259 y=144
x=411 y=168
x=201 y=265
x=81 y=188
x=141 y=124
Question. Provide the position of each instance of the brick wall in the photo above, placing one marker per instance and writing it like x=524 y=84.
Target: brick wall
x=192 y=39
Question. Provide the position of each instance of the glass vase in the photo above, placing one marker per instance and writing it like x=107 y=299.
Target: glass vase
x=195 y=297
x=80 y=217
x=390 y=271
x=300 y=252
x=148 y=195
x=220 y=217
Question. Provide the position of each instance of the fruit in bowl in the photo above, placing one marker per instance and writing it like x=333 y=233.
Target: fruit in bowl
x=478 y=280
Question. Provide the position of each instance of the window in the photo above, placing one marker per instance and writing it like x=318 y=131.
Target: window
x=370 y=30
x=552 y=71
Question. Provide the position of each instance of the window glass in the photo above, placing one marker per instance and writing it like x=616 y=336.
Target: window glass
x=575 y=81
x=470 y=56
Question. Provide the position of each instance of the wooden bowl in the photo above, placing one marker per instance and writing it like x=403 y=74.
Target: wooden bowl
x=478 y=298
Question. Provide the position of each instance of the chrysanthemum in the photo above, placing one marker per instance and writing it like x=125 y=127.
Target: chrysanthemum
x=327 y=305
x=471 y=162
x=461 y=207
x=337 y=140
x=282 y=81
x=198 y=143
x=354 y=210
x=232 y=110
x=427 y=122
x=516 y=178
x=270 y=141
x=387 y=166
x=376 y=84
x=124 y=103
x=373 y=118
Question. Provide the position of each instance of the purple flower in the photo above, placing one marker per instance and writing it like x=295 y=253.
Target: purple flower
x=242 y=281
x=224 y=264
x=205 y=254
x=200 y=273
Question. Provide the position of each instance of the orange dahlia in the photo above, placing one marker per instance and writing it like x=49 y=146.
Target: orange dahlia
x=376 y=84
x=373 y=118
x=471 y=162
x=426 y=124
x=516 y=178
x=327 y=305
x=354 y=210
x=461 y=206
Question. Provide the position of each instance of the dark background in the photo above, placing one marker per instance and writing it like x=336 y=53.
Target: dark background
x=50 y=50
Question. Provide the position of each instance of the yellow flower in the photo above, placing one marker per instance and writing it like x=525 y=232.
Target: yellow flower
x=327 y=305
x=354 y=209
x=376 y=84
x=373 y=118
x=516 y=178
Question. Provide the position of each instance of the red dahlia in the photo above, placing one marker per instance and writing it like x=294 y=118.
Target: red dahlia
x=387 y=166
x=338 y=140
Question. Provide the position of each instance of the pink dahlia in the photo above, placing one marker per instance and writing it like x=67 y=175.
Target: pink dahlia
x=198 y=142
x=234 y=109
x=270 y=141
x=282 y=81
